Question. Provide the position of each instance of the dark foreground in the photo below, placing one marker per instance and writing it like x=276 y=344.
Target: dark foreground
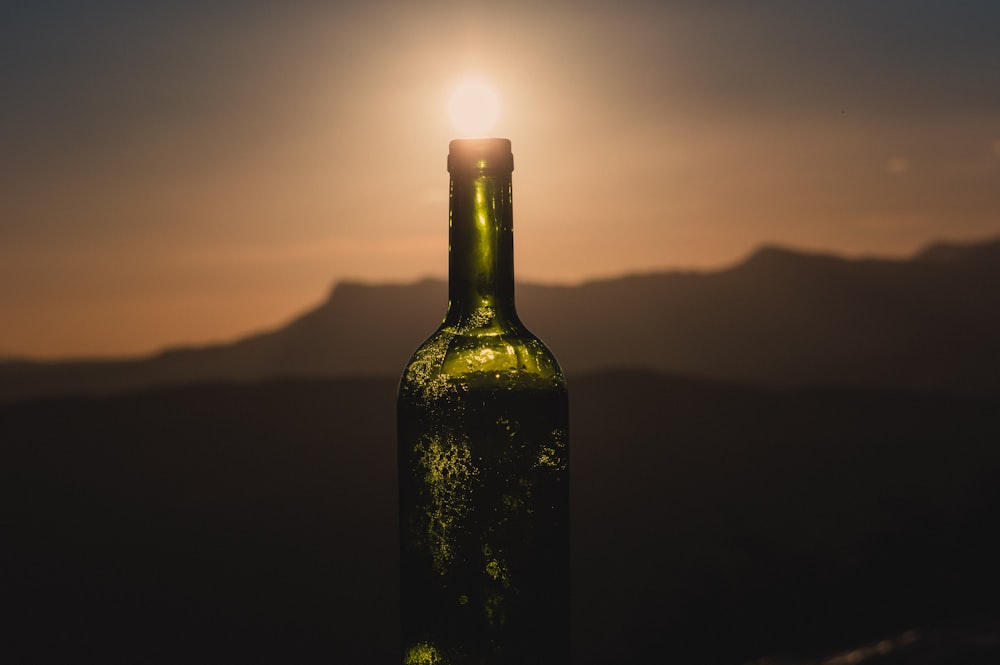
x=711 y=524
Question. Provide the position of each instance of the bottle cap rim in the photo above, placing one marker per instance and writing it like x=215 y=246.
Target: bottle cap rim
x=480 y=155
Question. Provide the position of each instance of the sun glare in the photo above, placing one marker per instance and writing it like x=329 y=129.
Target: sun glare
x=474 y=109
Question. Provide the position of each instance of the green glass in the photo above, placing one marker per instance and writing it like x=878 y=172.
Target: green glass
x=483 y=453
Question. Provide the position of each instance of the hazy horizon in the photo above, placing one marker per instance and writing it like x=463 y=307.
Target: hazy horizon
x=189 y=173
x=386 y=295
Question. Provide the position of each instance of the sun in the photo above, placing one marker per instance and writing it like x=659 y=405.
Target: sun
x=474 y=109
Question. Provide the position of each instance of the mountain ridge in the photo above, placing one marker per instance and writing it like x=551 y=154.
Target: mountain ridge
x=780 y=317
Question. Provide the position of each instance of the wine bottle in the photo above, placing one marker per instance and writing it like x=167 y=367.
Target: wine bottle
x=483 y=453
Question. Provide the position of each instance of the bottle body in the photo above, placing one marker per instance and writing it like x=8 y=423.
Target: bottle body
x=483 y=463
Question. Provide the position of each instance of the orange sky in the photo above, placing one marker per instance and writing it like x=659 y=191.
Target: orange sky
x=193 y=172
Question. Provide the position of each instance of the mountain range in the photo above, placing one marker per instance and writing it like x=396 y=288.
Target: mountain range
x=780 y=318
x=778 y=461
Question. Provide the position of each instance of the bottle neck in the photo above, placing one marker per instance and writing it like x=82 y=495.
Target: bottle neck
x=481 y=247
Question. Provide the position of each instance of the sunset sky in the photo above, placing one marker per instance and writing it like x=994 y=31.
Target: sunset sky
x=184 y=172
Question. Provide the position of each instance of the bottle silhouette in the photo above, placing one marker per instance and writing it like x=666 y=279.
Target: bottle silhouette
x=483 y=453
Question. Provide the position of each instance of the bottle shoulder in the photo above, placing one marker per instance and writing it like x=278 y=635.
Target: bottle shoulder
x=498 y=356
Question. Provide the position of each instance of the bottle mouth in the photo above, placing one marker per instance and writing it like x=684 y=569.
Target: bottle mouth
x=480 y=156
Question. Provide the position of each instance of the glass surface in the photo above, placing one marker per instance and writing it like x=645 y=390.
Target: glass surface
x=483 y=454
